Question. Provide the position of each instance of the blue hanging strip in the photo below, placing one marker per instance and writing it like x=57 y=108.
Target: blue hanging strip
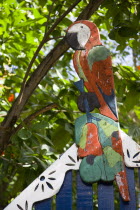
x=89 y=116
x=80 y=87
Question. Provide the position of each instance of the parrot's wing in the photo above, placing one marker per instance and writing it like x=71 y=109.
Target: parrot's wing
x=95 y=68
x=131 y=151
x=97 y=53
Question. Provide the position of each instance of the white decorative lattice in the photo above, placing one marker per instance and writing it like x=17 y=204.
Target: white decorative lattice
x=48 y=183
x=131 y=151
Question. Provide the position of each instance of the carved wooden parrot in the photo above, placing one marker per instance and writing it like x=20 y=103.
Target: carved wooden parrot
x=93 y=64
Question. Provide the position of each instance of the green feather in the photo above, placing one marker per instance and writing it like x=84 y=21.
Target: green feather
x=97 y=53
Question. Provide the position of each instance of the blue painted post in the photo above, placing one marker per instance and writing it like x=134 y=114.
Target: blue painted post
x=105 y=196
x=131 y=205
x=84 y=195
x=138 y=198
x=64 y=196
x=139 y=174
x=43 y=205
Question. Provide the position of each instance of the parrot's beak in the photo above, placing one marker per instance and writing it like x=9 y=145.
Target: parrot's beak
x=72 y=40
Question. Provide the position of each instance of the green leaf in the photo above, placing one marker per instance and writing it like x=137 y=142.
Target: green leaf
x=24 y=134
x=60 y=138
x=40 y=125
x=134 y=131
x=131 y=102
x=42 y=2
x=45 y=138
x=120 y=47
x=112 y=34
x=56 y=33
x=117 y=20
x=127 y=31
x=44 y=165
x=66 y=21
x=28 y=148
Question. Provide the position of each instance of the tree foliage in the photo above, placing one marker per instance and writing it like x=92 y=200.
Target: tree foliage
x=38 y=99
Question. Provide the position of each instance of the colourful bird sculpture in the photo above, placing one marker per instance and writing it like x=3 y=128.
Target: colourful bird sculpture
x=98 y=137
x=93 y=64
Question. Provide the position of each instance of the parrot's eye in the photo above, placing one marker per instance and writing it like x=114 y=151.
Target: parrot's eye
x=81 y=26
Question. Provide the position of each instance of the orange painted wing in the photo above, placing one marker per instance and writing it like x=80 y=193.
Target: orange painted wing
x=91 y=79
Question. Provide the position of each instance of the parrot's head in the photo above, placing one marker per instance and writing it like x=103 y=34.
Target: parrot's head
x=82 y=34
x=77 y=35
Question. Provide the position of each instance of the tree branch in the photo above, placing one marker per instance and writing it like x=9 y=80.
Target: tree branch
x=31 y=117
x=36 y=77
x=44 y=40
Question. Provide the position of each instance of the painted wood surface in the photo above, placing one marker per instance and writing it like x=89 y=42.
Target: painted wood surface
x=98 y=143
x=131 y=151
x=64 y=196
x=131 y=205
x=92 y=62
x=105 y=196
x=84 y=194
x=44 y=205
